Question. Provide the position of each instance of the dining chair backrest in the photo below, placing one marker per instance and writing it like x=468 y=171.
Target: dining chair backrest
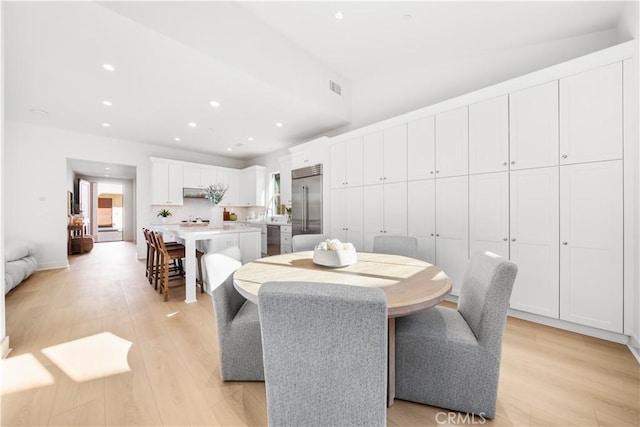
x=306 y=242
x=396 y=245
x=237 y=320
x=220 y=265
x=484 y=296
x=325 y=353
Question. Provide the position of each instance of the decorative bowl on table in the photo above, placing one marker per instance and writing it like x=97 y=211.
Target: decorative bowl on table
x=333 y=253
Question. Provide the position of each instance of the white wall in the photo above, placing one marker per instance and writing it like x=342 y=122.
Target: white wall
x=36 y=161
x=4 y=339
x=414 y=88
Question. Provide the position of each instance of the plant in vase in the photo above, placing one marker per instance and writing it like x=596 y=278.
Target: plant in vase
x=164 y=213
x=215 y=193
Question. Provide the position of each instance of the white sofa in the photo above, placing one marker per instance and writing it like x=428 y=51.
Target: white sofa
x=19 y=263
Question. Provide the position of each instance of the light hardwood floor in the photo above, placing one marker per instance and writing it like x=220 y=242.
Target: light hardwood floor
x=548 y=376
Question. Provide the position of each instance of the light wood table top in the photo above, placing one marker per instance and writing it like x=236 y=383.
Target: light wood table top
x=410 y=285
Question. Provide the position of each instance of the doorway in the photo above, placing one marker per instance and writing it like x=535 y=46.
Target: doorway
x=110 y=202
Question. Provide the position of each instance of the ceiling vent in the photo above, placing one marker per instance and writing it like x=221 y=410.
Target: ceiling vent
x=335 y=87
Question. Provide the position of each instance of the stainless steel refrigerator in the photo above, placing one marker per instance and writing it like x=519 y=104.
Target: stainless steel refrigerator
x=306 y=192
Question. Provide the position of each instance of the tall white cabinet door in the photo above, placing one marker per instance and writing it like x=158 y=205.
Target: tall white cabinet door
x=353 y=163
x=175 y=184
x=452 y=228
x=372 y=157
x=421 y=217
x=209 y=176
x=591 y=115
x=338 y=154
x=395 y=154
x=591 y=250
x=533 y=127
x=489 y=136
x=452 y=143
x=421 y=148
x=489 y=213
x=354 y=217
x=160 y=183
x=339 y=214
x=395 y=209
x=373 y=216
x=535 y=231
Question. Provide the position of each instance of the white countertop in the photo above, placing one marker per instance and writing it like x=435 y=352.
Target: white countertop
x=201 y=231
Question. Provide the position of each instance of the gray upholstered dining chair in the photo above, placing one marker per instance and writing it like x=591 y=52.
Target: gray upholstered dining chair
x=325 y=354
x=237 y=320
x=396 y=245
x=451 y=358
x=306 y=242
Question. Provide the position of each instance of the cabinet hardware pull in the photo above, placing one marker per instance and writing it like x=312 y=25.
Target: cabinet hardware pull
x=564 y=156
x=565 y=243
x=513 y=240
x=431 y=172
x=504 y=163
x=437 y=171
x=437 y=235
x=513 y=162
x=505 y=239
x=431 y=234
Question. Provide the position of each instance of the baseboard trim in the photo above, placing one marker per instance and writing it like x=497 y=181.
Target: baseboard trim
x=634 y=347
x=4 y=347
x=53 y=265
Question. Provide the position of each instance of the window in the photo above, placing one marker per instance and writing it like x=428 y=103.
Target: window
x=275 y=204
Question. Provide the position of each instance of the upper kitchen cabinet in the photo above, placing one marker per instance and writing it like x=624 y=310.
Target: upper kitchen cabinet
x=452 y=143
x=533 y=127
x=230 y=178
x=252 y=186
x=309 y=154
x=385 y=156
x=198 y=176
x=591 y=115
x=346 y=163
x=489 y=136
x=166 y=182
x=421 y=149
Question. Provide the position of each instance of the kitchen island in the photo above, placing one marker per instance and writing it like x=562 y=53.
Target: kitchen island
x=248 y=239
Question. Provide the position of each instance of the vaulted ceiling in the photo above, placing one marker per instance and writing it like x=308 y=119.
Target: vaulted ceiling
x=266 y=66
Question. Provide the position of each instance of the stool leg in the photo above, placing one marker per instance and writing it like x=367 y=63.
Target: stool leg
x=166 y=281
x=201 y=280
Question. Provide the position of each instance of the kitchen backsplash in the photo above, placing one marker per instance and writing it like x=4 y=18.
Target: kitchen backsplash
x=199 y=208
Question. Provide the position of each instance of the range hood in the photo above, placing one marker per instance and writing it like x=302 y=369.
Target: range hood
x=193 y=193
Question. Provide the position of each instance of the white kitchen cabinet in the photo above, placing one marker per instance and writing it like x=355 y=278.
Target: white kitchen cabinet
x=222 y=241
x=591 y=115
x=166 y=183
x=489 y=213
x=534 y=245
x=385 y=156
x=346 y=163
x=209 y=176
x=452 y=143
x=591 y=250
x=231 y=179
x=452 y=228
x=285 y=239
x=489 y=136
x=309 y=153
x=384 y=211
x=252 y=186
x=250 y=245
x=533 y=127
x=347 y=216
x=421 y=149
x=421 y=217
x=191 y=177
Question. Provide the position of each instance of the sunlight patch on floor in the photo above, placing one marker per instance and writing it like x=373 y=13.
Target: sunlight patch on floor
x=22 y=372
x=95 y=356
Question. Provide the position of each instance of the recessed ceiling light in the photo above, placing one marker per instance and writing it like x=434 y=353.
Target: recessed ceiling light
x=107 y=103
x=279 y=124
x=107 y=176
x=107 y=169
x=250 y=139
x=192 y=124
x=106 y=125
x=108 y=67
x=214 y=104
x=38 y=111
x=229 y=149
x=177 y=139
x=339 y=15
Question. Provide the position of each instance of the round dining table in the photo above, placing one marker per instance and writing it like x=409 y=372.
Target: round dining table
x=410 y=285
